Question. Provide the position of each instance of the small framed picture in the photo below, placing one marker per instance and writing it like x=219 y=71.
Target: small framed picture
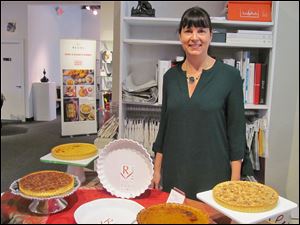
x=11 y=27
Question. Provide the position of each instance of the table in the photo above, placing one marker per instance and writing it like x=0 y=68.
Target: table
x=14 y=209
x=44 y=101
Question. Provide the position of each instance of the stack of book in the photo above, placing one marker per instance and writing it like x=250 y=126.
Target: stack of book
x=254 y=37
x=254 y=75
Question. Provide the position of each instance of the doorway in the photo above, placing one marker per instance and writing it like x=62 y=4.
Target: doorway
x=12 y=80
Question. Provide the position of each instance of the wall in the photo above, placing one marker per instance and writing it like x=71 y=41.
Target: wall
x=14 y=12
x=45 y=29
x=116 y=54
x=292 y=187
x=284 y=103
x=90 y=25
x=107 y=20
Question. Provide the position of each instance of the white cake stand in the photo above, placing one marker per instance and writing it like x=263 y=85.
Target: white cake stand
x=75 y=167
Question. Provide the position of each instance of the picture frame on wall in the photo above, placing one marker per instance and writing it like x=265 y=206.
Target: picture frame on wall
x=11 y=27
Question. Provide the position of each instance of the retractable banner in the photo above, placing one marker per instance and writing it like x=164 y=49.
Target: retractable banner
x=78 y=87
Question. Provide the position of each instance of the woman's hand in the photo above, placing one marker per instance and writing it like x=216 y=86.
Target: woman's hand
x=236 y=170
x=157 y=175
x=156 y=180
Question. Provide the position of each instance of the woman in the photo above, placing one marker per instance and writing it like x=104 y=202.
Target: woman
x=201 y=139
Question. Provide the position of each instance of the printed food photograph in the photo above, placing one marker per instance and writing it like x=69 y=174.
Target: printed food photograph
x=69 y=91
x=87 y=111
x=71 y=110
x=85 y=91
x=76 y=77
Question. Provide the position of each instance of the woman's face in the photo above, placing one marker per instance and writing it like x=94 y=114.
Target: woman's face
x=195 y=40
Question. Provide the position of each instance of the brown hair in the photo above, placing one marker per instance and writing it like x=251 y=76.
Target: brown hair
x=196 y=17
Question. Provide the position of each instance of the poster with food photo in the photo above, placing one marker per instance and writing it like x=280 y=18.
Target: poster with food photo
x=78 y=74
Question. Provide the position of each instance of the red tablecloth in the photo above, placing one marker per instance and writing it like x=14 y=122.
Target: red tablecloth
x=14 y=209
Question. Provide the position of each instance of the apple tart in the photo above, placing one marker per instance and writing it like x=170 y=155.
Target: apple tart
x=245 y=196
x=47 y=183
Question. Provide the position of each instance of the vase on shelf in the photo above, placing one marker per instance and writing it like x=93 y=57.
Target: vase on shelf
x=44 y=78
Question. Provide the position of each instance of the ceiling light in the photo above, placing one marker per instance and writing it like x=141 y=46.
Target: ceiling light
x=93 y=8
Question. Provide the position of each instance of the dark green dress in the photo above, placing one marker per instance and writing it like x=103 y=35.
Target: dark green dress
x=199 y=136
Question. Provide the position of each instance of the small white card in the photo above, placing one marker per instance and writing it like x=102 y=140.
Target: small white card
x=176 y=196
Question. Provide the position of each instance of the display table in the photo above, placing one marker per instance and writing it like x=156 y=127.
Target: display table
x=14 y=209
x=44 y=101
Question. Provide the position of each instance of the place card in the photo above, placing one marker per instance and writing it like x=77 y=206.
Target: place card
x=176 y=196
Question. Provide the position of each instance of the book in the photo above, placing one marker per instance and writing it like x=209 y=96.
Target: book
x=246 y=74
x=263 y=84
x=250 y=41
x=255 y=31
x=257 y=80
x=249 y=36
x=250 y=98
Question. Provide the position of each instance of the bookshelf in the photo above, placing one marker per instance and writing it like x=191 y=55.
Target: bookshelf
x=145 y=40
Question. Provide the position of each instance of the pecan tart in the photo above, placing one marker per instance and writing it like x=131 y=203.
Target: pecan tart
x=47 y=183
x=245 y=196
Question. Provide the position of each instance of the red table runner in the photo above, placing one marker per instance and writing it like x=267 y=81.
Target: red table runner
x=14 y=209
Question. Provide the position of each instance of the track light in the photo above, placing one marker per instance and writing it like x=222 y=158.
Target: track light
x=93 y=8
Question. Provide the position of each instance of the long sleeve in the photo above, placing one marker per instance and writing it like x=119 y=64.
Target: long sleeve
x=158 y=144
x=236 y=127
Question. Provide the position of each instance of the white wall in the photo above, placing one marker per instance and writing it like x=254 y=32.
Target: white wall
x=281 y=171
x=107 y=20
x=14 y=12
x=116 y=54
x=90 y=25
x=292 y=187
x=45 y=29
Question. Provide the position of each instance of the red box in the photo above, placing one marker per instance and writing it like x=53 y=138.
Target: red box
x=250 y=11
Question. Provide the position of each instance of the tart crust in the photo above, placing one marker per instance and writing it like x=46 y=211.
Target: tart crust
x=245 y=196
x=46 y=183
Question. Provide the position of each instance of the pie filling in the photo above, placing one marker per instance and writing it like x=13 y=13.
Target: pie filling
x=74 y=151
x=46 y=183
x=172 y=213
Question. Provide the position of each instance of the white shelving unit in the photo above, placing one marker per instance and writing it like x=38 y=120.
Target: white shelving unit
x=145 y=40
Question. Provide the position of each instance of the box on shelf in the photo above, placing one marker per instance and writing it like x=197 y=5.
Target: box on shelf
x=219 y=35
x=250 y=11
